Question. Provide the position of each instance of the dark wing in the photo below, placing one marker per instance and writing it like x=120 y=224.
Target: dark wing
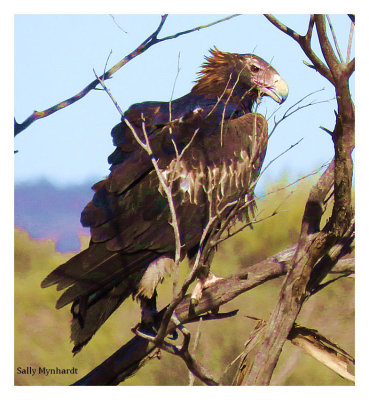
x=129 y=218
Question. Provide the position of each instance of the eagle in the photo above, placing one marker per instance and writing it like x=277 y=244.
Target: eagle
x=210 y=146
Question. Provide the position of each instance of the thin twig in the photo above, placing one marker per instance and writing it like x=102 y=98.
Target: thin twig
x=291 y=109
x=130 y=357
x=285 y=115
x=174 y=84
x=314 y=243
x=145 y=45
x=102 y=83
x=183 y=352
x=251 y=223
x=228 y=99
x=278 y=156
x=350 y=42
x=106 y=62
x=199 y=28
x=334 y=38
x=197 y=339
x=171 y=180
x=305 y=44
x=220 y=97
x=116 y=23
x=163 y=184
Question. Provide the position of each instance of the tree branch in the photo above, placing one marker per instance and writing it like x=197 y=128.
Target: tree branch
x=145 y=45
x=305 y=44
x=313 y=243
x=183 y=352
x=310 y=341
x=350 y=42
x=327 y=50
x=334 y=38
x=133 y=355
x=323 y=350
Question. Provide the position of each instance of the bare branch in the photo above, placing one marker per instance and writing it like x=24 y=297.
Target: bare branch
x=148 y=42
x=145 y=144
x=323 y=350
x=350 y=67
x=324 y=266
x=145 y=45
x=288 y=31
x=327 y=50
x=350 y=42
x=314 y=243
x=198 y=28
x=278 y=156
x=292 y=294
x=279 y=378
x=311 y=341
x=334 y=38
x=289 y=111
x=183 y=352
x=102 y=83
x=116 y=23
x=197 y=339
x=305 y=44
x=132 y=356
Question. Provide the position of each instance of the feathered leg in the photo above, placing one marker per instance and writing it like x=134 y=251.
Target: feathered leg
x=148 y=311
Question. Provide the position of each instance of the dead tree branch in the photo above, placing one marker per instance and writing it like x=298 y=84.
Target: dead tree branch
x=203 y=254
x=133 y=355
x=350 y=42
x=191 y=376
x=314 y=243
x=318 y=250
x=323 y=350
x=334 y=38
x=195 y=368
x=311 y=342
x=145 y=45
x=305 y=44
x=295 y=108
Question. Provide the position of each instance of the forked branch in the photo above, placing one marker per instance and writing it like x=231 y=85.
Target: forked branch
x=133 y=355
x=314 y=243
x=145 y=45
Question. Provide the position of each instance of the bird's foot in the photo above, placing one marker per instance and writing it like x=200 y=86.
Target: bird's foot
x=201 y=285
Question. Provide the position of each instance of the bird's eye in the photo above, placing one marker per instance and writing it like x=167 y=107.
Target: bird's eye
x=254 y=68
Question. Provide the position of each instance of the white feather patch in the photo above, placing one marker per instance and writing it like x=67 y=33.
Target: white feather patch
x=155 y=274
x=220 y=179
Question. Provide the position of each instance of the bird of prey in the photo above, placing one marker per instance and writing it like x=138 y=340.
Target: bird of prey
x=209 y=145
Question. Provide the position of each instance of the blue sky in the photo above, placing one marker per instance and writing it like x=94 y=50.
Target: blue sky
x=55 y=56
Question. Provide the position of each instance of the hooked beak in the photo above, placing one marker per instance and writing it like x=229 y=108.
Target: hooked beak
x=278 y=92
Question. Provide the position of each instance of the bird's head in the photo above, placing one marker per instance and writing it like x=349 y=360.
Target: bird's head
x=239 y=75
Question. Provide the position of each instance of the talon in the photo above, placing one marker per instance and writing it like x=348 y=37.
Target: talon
x=174 y=335
x=194 y=301
x=215 y=310
x=202 y=284
x=139 y=329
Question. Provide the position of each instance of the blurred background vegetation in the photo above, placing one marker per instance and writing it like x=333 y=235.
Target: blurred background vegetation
x=42 y=332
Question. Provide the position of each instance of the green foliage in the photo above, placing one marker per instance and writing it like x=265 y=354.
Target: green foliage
x=42 y=332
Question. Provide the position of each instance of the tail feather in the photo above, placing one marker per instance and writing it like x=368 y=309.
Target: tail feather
x=98 y=312
x=116 y=268
x=77 y=267
x=97 y=281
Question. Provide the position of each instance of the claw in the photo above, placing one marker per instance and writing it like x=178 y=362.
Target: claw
x=201 y=285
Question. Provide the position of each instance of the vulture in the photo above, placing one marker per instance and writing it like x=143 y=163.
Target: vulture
x=208 y=145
